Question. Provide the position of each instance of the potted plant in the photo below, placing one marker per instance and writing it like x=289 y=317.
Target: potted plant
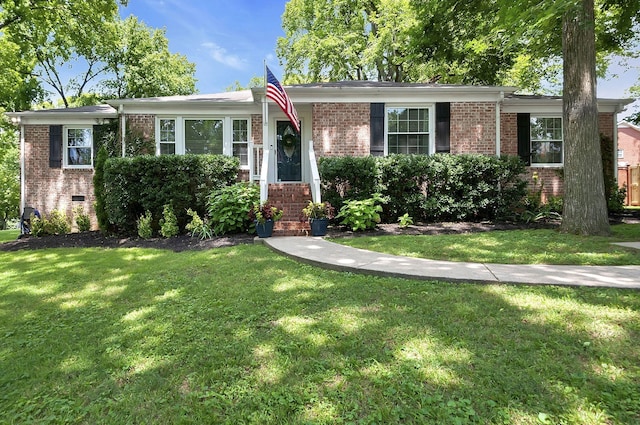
x=318 y=214
x=264 y=215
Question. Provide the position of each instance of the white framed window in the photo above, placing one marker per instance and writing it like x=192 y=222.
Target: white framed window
x=409 y=130
x=547 y=143
x=204 y=135
x=78 y=147
x=167 y=136
x=620 y=154
x=240 y=141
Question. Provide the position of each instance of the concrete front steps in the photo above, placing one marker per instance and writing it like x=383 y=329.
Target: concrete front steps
x=292 y=198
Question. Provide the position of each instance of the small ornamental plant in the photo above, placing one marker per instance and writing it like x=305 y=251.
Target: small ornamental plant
x=317 y=210
x=82 y=219
x=261 y=213
x=169 y=223
x=144 y=225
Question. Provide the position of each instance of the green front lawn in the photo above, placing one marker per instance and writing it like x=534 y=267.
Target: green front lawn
x=541 y=246
x=9 y=235
x=243 y=335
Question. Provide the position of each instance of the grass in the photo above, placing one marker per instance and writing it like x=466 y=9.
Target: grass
x=9 y=235
x=242 y=335
x=540 y=246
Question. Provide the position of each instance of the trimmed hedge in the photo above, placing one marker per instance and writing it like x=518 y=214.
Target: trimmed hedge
x=147 y=183
x=439 y=187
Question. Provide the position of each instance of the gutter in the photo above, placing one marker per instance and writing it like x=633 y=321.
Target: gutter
x=498 y=103
x=123 y=125
x=22 y=170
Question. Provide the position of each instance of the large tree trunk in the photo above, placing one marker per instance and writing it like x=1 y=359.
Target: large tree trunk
x=585 y=206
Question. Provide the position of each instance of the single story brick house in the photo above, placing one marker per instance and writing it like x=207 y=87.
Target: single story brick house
x=337 y=119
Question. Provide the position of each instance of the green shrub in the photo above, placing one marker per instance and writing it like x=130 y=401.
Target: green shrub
x=361 y=214
x=197 y=226
x=229 y=207
x=56 y=223
x=439 y=187
x=143 y=224
x=82 y=219
x=168 y=223
x=348 y=178
x=99 y=189
x=135 y=185
x=615 y=196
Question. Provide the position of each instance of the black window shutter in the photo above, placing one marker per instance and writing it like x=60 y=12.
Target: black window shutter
x=524 y=138
x=443 y=127
x=55 y=146
x=376 y=146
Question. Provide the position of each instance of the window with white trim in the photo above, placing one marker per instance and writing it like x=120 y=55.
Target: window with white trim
x=546 y=141
x=240 y=141
x=408 y=130
x=78 y=147
x=167 y=136
x=620 y=154
x=204 y=135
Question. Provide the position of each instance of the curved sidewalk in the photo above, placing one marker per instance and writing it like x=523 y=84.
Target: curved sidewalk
x=322 y=253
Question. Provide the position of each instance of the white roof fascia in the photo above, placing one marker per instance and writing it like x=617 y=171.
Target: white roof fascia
x=192 y=109
x=50 y=117
x=554 y=105
x=404 y=94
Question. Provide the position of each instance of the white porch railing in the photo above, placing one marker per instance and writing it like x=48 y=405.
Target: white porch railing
x=264 y=182
x=315 y=175
x=256 y=162
x=259 y=160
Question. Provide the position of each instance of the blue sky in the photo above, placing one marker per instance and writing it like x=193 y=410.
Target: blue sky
x=228 y=40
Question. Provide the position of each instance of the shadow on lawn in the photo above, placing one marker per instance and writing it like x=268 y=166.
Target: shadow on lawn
x=244 y=335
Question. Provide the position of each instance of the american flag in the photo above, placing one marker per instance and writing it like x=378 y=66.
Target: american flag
x=276 y=93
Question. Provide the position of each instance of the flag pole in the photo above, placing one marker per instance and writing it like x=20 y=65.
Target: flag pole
x=264 y=168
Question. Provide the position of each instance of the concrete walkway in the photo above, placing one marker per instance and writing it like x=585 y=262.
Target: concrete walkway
x=322 y=253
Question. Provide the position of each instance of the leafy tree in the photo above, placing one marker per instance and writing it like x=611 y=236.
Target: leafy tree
x=577 y=31
x=254 y=82
x=116 y=58
x=50 y=33
x=141 y=65
x=9 y=175
x=347 y=40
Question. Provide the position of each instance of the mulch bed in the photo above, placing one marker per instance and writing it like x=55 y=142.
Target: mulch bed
x=186 y=243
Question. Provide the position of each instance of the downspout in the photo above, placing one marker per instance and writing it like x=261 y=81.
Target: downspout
x=123 y=126
x=619 y=108
x=22 y=170
x=498 y=103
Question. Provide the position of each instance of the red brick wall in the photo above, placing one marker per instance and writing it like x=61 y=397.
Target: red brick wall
x=47 y=188
x=605 y=124
x=256 y=129
x=553 y=184
x=145 y=124
x=473 y=127
x=508 y=134
x=341 y=129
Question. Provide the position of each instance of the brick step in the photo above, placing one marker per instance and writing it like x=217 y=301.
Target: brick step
x=291 y=228
x=291 y=198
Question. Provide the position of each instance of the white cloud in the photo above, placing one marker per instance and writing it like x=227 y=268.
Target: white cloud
x=220 y=54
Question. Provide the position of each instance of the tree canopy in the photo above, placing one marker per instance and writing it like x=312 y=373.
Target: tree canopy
x=451 y=41
x=42 y=40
